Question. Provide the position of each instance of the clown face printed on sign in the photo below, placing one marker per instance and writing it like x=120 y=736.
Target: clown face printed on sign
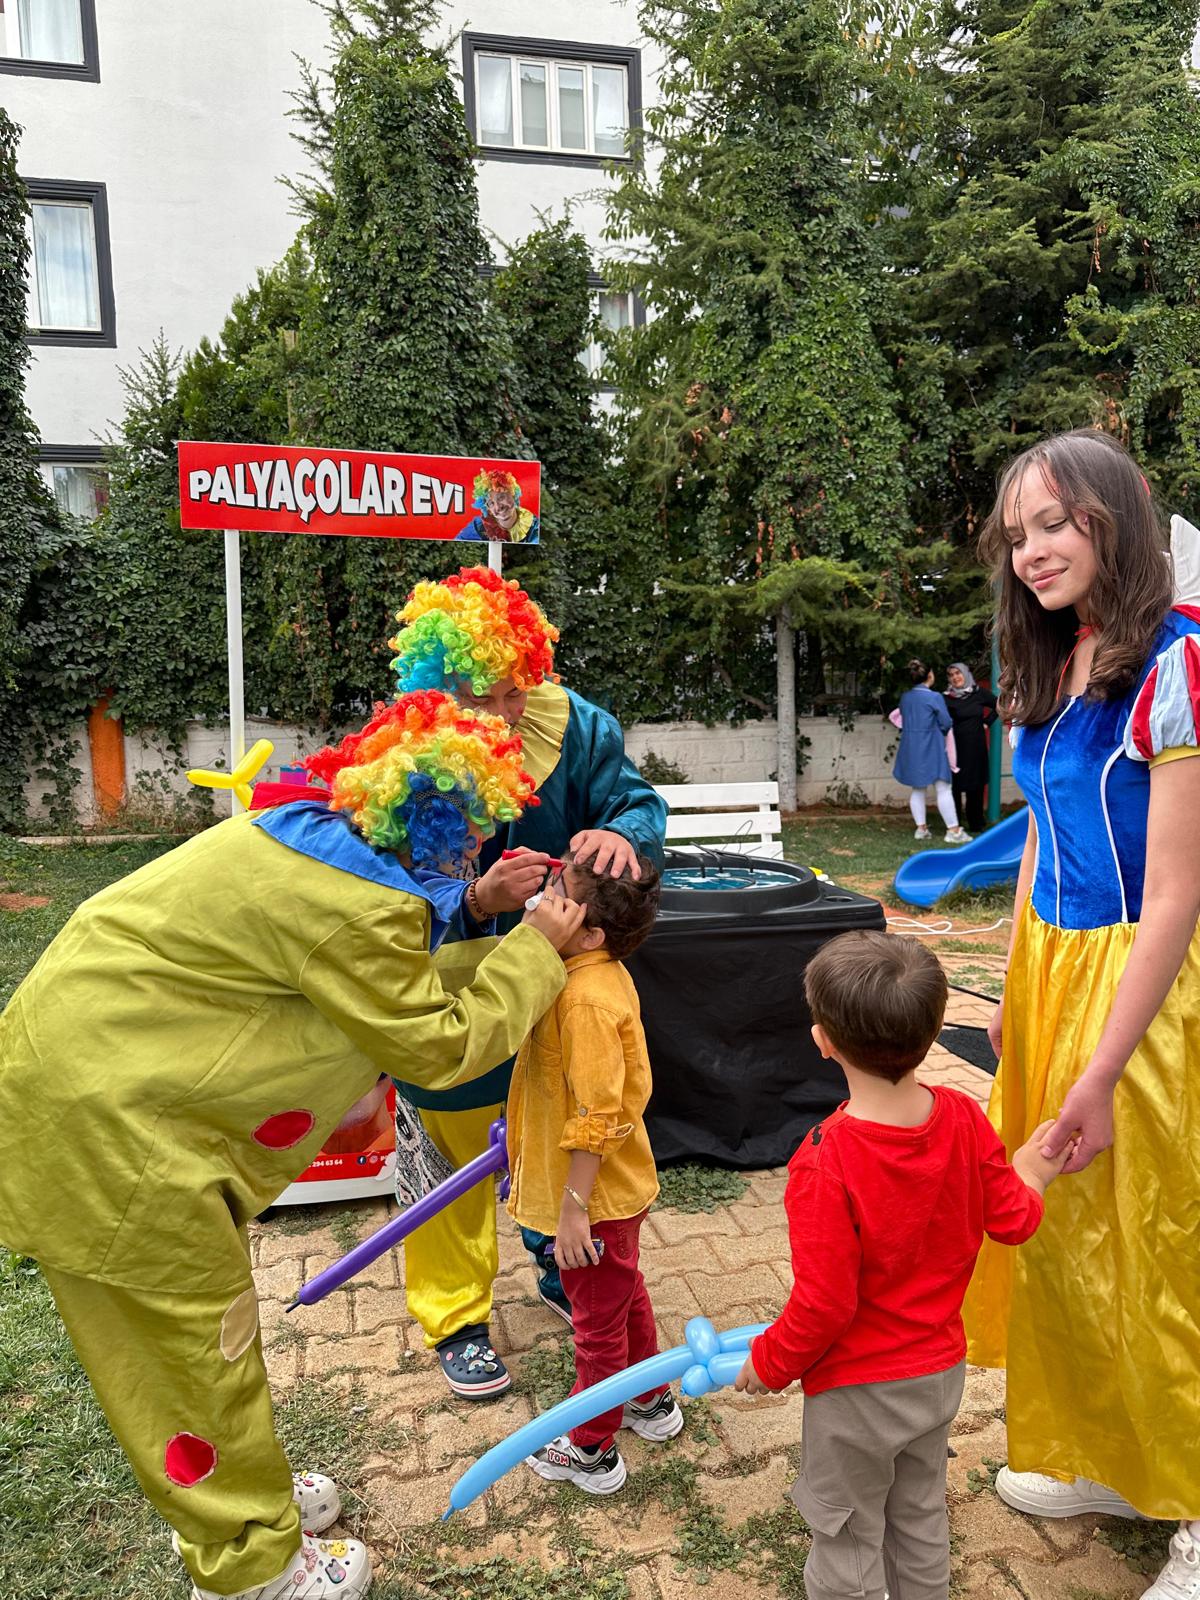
x=498 y=502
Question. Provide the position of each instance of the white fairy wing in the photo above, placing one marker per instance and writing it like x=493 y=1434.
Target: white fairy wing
x=1185 y=559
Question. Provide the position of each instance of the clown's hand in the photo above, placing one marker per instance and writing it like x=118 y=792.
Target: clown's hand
x=506 y=885
x=613 y=852
x=556 y=918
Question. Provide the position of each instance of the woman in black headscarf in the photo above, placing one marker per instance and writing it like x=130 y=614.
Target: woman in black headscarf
x=972 y=709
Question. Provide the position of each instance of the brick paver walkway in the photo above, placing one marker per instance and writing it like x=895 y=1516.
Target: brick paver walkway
x=693 y=1508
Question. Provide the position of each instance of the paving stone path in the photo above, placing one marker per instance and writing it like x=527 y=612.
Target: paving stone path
x=707 y=1512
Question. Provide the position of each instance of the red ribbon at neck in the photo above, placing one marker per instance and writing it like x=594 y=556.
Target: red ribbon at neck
x=1080 y=633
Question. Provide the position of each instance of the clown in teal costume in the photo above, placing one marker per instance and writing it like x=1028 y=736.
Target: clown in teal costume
x=483 y=639
x=177 y=1057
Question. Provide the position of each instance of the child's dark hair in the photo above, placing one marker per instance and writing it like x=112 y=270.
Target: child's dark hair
x=917 y=671
x=880 y=998
x=624 y=907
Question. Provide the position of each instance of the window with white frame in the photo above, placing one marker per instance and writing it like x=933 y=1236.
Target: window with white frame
x=80 y=487
x=540 y=99
x=70 y=279
x=615 y=310
x=54 y=38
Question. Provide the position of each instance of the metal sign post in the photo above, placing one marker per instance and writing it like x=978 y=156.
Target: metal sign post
x=233 y=635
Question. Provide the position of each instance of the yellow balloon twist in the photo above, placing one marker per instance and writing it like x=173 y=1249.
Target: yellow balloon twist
x=242 y=775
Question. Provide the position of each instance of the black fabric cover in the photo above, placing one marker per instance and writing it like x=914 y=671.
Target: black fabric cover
x=737 y=1078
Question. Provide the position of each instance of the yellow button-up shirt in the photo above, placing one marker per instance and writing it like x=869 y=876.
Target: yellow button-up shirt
x=581 y=1082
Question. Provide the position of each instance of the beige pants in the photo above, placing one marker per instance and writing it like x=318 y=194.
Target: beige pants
x=872 y=1488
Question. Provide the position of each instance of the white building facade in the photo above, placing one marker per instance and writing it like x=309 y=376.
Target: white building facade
x=154 y=138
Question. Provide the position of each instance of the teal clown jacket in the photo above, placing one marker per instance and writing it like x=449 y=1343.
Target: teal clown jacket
x=576 y=755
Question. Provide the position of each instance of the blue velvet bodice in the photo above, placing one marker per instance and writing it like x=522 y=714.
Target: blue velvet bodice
x=1091 y=802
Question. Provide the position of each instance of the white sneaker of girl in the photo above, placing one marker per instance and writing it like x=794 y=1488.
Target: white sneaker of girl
x=1040 y=1496
x=334 y=1569
x=957 y=836
x=1180 y=1578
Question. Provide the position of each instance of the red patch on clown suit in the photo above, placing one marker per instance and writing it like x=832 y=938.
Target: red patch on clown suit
x=189 y=1460
x=284 y=1129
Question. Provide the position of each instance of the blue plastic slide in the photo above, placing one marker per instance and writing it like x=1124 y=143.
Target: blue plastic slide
x=994 y=857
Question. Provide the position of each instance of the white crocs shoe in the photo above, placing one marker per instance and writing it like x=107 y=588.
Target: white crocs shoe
x=319 y=1501
x=334 y=1569
x=1040 y=1496
x=1180 y=1578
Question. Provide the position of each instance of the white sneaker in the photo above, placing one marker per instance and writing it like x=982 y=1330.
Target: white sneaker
x=1040 y=1496
x=319 y=1501
x=922 y=833
x=336 y=1569
x=957 y=836
x=594 y=1471
x=1180 y=1578
x=661 y=1419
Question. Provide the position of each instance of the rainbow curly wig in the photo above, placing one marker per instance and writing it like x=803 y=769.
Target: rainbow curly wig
x=493 y=482
x=421 y=773
x=473 y=627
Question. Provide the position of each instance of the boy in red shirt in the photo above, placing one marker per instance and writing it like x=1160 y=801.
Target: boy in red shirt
x=888 y=1201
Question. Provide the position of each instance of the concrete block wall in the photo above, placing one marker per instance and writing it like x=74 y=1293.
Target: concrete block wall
x=859 y=758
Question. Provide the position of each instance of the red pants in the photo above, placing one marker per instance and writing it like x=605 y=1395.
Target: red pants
x=614 y=1321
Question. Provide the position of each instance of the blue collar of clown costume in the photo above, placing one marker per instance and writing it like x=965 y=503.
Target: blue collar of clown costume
x=312 y=829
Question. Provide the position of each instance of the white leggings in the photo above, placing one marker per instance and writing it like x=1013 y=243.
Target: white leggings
x=945 y=805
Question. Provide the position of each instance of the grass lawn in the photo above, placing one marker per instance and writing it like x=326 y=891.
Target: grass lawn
x=40 y=886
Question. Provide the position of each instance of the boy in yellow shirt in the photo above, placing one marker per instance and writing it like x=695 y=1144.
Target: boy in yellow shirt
x=582 y=1169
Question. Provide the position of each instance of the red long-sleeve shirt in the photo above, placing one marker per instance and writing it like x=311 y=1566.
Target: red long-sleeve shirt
x=885 y=1225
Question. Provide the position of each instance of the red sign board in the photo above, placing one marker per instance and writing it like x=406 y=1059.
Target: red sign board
x=259 y=488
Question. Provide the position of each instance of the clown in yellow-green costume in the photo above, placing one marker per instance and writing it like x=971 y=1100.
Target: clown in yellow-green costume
x=481 y=638
x=198 y=1028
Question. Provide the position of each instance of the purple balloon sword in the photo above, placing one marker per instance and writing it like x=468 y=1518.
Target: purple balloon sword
x=493 y=1160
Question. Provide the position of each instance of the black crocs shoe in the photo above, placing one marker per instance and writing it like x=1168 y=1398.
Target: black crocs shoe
x=470 y=1365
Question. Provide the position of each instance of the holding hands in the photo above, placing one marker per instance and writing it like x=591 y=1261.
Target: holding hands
x=1033 y=1166
x=1084 y=1127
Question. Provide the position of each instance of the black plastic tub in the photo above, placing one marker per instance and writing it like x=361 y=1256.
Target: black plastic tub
x=737 y=1078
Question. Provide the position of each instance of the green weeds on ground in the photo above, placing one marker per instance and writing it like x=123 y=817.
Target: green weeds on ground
x=691 y=1186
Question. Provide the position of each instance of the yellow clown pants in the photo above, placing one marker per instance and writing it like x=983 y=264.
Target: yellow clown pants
x=180 y=1378
x=450 y=1264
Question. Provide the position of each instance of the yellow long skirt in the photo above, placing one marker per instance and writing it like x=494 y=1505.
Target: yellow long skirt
x=1096 y=1317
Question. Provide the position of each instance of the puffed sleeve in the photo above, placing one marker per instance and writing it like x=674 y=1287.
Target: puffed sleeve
x=1165 y=721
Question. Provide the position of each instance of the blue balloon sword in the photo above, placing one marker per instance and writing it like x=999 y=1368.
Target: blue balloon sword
x=709 y=1360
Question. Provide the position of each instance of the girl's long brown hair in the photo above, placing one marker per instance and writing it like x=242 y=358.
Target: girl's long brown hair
x=1094 y=477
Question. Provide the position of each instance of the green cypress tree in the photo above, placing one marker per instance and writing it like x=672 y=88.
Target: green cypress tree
x=597 y=566
x=1051 y=266
x=757 y=402
x=249 y=385
x=401 y=346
